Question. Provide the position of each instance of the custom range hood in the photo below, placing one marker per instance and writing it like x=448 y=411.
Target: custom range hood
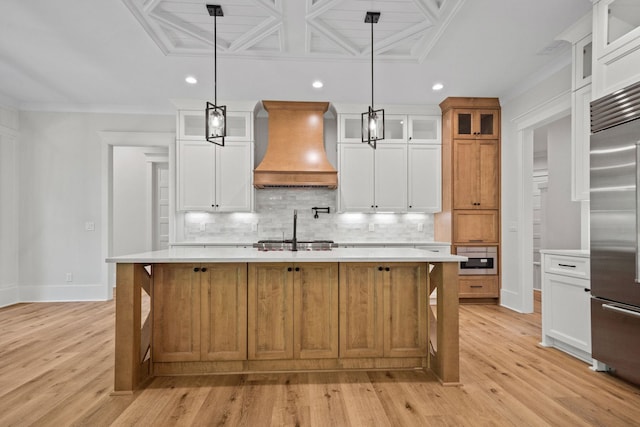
x=295 y=154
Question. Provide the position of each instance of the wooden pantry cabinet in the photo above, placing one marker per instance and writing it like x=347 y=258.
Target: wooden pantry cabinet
x=199 y=312
x=471 y=185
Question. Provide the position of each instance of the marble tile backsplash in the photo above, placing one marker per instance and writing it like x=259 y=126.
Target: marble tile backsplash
x=273 y=219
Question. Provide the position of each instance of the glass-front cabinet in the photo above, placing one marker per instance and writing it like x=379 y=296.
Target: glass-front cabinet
x=623 y=17
x=395 y=128
x=424 y=129
x=476 y=124
x=191 y=125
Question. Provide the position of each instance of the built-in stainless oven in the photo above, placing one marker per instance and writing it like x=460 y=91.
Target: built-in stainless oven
x=482 y=260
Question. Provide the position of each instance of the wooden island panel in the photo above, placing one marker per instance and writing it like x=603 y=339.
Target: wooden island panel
x=292 y=316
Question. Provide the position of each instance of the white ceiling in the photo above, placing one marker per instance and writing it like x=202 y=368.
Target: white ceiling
x=133 y=55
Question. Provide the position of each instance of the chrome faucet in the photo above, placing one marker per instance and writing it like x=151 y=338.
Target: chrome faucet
x=294 y=240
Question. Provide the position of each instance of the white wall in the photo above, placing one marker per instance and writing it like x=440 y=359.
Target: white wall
x=130 y=191
x=8 y=207
x=60 y=190
x=562 y=226
x=517 y=160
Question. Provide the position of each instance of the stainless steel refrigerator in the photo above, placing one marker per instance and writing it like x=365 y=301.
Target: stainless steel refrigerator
x=615 y=232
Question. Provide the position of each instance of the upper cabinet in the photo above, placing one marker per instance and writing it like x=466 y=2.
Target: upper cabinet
x=475 y=174
x=476 y=124
x=616 y=45
x=350 y=125
x=213 y=178
x=583 y=62
x=424 y=129
x=191 y=125
x=402 y=175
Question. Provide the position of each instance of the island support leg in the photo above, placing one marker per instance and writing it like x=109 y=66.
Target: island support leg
x=444 y=338
x=129 y=370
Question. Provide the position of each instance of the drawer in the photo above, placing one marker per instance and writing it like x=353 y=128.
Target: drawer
x=475 y=226
x=478 y=287
x=567 y=265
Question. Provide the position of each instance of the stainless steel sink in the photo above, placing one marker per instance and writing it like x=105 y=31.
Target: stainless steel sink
x=302 y=245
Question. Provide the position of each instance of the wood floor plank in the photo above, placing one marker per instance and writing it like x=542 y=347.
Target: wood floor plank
x=57 y=369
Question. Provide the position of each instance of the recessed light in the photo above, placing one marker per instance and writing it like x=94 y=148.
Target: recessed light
x=191 y=80
x=317 y=84
x=437 y=86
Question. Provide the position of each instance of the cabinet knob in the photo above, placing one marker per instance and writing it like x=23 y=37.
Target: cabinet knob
x=203 y=269
x=371 y=205
x=380 y=268
x=376 y=206
x=587 y=290
x=289 y=269
x=297 y=268
x=410 y=206
x=387 y=269
x=196 y=269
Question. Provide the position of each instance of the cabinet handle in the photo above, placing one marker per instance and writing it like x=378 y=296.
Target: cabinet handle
x=203 y=269
x=587 y=290
x=476 y=286
x=289 y=269
x=476 y=241
x=567 y=265
x=196 y=269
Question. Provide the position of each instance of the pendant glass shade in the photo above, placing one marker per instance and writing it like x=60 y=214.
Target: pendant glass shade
x=372 y=126
x=216 y=123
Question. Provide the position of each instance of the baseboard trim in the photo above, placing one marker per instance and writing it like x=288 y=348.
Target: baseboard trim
x=63 y=293
x=9 y=295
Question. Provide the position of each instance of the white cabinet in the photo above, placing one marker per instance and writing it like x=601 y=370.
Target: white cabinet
x=424 y=178
x=398 y=128
x=191 y=125
x=566 y=299
x=350 y=125
x=424 y=129
x=373 y=180
x=580 y=136
x=213 y=178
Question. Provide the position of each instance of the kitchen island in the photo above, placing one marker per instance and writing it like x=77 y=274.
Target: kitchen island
x=233 y=310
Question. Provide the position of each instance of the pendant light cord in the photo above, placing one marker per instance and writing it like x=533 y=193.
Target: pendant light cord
x=372 y=63
x=215 y=59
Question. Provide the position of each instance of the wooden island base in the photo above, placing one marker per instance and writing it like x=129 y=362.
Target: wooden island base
x=215 y=318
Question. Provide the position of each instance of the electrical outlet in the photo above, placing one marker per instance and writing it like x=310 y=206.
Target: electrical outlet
x=203 y=226
x=254 y=226
x=89 y=226
x=420 y=226
x=69 y=277
x=372 y=227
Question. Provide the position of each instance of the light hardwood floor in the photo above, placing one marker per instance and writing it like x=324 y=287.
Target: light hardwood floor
x=56 y=369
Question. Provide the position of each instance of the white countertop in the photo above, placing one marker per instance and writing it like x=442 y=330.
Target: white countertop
x=358 y=243
x=583 y=253
x=226 y=254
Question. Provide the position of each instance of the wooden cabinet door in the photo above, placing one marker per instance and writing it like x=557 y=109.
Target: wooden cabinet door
x=476 y=124
x=315 y=307
x=405 y=310
x=475 y=226
x=176 y=312
x=488 y=174
x=476 y=174
x=361 y=310
x=270 y=311
x=466 y=174
x=224 y=311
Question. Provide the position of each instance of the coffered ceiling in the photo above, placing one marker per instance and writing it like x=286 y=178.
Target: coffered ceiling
x=297 y=29
x=134 y=55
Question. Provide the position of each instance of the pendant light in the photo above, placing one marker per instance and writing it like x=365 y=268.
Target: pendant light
x=373 y=120
x=215 y=115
